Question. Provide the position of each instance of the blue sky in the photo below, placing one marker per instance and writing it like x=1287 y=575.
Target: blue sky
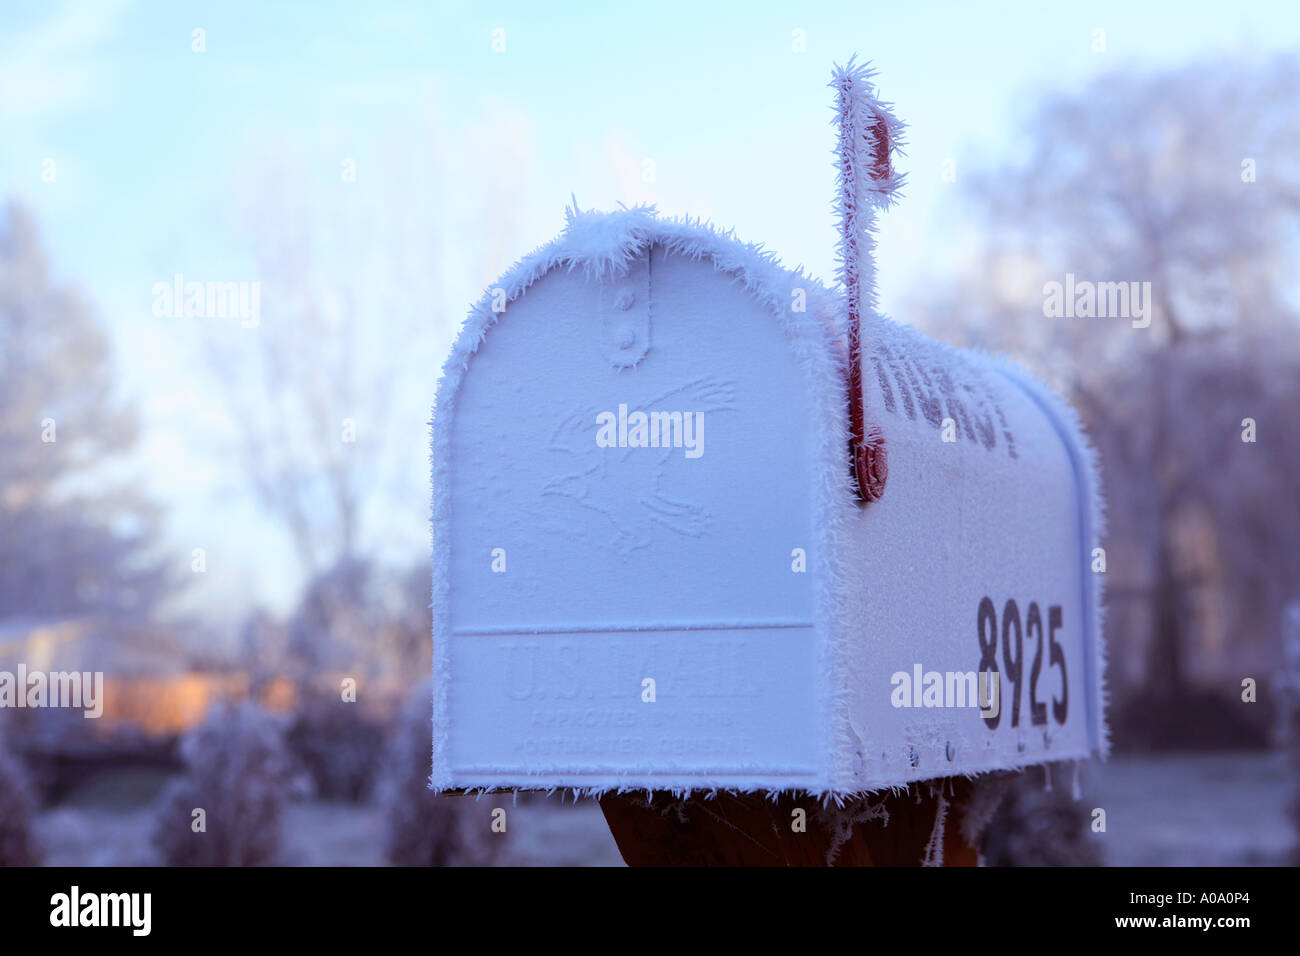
x=158 y=148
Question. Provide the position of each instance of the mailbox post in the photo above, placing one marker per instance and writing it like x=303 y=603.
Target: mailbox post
x=670 y=557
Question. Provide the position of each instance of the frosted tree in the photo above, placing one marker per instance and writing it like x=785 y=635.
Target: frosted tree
x=76 y=536
x=226 y=809
x=322 y=393
x=1188 y=180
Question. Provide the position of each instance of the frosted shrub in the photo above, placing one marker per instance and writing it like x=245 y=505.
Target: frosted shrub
x=1039 y=827
x=236 y=775
x=337 y=746
x=17 y=807
x=425 y=829
x=1294 y=810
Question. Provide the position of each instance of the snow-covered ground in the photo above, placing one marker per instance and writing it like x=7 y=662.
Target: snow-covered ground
x=1203 y=810
x=102 y=827
x=1171 y=810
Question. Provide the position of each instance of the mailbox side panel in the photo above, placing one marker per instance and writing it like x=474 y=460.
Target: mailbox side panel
x=976 y=559
x=609 y=614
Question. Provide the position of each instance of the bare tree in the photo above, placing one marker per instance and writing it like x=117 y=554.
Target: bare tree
x=329 y=394
x=1188 y=180
x=76 y=538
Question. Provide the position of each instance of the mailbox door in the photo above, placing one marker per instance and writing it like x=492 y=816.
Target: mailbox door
x=629 y=525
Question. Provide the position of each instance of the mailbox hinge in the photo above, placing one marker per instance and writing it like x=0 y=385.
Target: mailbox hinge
x=625 y=315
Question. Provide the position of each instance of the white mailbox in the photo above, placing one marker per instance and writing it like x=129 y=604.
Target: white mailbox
x=652 y=568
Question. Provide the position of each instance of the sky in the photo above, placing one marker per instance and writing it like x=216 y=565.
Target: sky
x=469 y=127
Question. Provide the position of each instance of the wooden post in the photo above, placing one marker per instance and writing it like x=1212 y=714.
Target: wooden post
x=759 y=830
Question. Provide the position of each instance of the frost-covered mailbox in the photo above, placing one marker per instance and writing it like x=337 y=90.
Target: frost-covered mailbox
x=653 y=567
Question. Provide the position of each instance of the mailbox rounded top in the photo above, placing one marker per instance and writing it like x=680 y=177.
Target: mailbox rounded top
x=604 y=245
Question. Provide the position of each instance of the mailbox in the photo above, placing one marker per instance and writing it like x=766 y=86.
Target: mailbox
x=653 y=567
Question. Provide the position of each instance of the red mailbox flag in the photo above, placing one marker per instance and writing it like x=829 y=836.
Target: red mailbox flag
x=869 y=135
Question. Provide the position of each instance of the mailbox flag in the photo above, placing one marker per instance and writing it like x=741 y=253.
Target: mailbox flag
x=869 y=135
